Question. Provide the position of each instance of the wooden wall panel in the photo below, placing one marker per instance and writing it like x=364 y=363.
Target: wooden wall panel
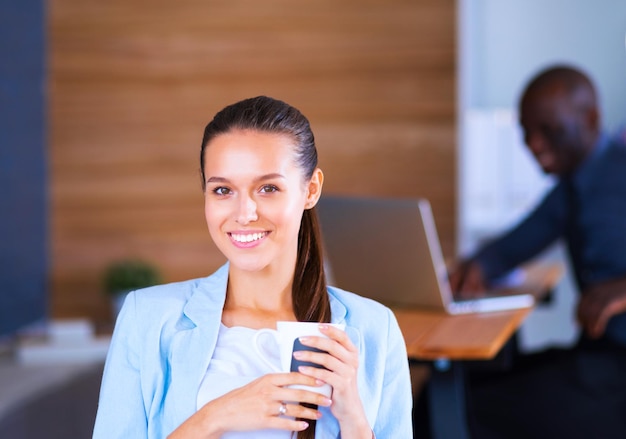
x=132 y=85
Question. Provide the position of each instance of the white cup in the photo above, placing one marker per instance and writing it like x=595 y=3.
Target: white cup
x=284 y=337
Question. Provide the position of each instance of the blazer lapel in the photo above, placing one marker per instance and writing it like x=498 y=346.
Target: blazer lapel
x=328 y=426
x=192 y=347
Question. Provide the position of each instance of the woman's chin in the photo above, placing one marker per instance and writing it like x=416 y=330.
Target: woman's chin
x=252 y=266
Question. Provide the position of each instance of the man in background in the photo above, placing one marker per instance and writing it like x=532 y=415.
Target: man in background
x=578 y=392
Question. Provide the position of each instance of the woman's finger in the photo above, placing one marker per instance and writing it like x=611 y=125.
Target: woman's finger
x=300 y=395
x=345 y=353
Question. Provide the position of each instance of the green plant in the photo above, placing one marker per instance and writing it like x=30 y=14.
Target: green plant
x=131 y=274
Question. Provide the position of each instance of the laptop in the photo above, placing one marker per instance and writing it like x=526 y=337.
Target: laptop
x=388 y=249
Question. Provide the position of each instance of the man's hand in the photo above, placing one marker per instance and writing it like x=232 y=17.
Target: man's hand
x=599 y=303
x=467 y=280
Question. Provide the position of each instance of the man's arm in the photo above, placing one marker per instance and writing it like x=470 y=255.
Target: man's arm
x=543 y=226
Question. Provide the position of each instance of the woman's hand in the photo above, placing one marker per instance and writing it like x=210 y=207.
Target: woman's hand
x=342 y=362
x=256 y=406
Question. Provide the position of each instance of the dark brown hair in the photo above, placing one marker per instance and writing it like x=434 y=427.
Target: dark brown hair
x=265 y=114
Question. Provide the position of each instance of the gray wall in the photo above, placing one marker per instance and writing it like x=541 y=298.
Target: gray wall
x=506 y=41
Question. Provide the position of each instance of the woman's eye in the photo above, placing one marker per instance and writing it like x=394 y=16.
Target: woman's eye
x=269 y=188
x=221 y=190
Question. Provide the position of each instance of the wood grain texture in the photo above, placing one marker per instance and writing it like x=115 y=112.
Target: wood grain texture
x=132 y=85
x=432 y=335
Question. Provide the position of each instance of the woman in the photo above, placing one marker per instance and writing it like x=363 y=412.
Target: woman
x=181 y=361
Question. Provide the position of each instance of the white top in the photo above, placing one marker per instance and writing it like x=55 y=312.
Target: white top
x=235 y=363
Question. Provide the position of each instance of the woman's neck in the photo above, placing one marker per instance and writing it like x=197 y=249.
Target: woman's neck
x=258 y=299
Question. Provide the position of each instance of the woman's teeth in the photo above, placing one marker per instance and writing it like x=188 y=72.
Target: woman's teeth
x=249 y=237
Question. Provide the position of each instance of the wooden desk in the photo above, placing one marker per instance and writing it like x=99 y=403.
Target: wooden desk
x=447 y=340
x=431 y=335
x=434 y=335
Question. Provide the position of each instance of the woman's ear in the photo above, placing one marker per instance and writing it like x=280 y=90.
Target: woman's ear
x=314 y=189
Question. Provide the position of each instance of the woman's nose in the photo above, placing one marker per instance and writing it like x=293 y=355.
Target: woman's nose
x=247 y=211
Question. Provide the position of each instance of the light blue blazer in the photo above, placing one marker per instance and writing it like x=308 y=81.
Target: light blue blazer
x=164 y=339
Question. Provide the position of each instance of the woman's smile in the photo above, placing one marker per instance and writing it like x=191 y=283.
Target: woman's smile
x=247 y=239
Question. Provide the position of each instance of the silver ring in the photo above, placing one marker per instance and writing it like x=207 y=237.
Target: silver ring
x=283 y=409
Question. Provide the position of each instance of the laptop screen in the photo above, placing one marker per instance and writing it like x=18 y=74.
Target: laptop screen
x=379 y=248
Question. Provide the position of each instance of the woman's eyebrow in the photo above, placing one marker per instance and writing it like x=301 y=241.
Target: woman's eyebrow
x=270 y=176
x=217 y=180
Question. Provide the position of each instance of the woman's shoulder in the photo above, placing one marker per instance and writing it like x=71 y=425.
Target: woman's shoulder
x=175 y=295
x=358 y=306
x=374 y=321
x=172 y=291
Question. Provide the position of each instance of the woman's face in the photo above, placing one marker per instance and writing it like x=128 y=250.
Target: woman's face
x=255 y=197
